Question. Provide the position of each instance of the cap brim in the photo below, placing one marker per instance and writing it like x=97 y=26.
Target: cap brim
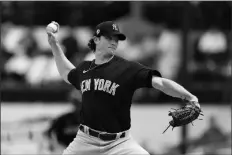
x=120 y=36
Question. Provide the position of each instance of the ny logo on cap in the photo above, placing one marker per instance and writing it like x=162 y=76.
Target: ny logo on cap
x=115 y=27
x=98 y=31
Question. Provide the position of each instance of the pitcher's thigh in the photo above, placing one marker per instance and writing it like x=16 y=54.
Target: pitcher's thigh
x=79 y=147
x=128 y=147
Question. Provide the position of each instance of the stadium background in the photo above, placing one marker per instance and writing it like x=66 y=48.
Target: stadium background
x=189 y=42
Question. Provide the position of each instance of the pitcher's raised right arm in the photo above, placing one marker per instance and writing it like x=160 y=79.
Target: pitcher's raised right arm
x=64 y=66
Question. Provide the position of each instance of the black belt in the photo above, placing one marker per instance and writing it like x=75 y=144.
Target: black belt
x=102 y=136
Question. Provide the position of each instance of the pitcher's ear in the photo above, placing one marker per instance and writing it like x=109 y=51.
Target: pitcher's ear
x=96 y=39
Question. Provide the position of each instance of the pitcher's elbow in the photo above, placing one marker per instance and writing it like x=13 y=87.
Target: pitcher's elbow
x=157 y=82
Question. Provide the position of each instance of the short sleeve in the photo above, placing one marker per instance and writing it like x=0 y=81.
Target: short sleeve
x=143 y=76
x=73 y=78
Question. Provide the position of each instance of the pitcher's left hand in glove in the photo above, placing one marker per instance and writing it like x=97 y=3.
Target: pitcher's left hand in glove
x=185 y=115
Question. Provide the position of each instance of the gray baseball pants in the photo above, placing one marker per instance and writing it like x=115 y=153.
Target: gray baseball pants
x=84 y=143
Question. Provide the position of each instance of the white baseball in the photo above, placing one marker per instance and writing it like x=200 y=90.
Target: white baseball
x=52 y=27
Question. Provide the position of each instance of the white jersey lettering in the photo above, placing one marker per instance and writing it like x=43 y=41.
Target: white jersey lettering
x=82 y=87
x=100 y=85
x=85 y=85
x=113 y=88
x=107 y=86
x=96 y=83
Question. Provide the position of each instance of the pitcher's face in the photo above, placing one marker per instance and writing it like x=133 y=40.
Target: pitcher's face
x=107 y=44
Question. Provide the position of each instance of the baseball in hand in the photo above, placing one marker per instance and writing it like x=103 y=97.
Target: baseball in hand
x=52 y=27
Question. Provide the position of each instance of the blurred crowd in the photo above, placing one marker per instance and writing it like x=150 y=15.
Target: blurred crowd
x=26 y=55
x=211 y=55
x=27 y=58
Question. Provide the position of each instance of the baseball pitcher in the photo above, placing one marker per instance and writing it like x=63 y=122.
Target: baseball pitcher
x=107 y=85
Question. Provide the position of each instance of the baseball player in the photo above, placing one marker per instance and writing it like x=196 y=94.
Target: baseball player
x=107 y=85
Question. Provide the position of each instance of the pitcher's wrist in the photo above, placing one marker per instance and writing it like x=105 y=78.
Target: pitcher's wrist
x=193 y=99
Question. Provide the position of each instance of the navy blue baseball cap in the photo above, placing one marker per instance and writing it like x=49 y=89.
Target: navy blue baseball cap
x=109 y=28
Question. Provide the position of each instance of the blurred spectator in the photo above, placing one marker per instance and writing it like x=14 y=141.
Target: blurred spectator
x=170 y=58
x=213 y=134
x=29 y=44
x=5 y=54
x=42 y=71
x=64 y=128
x=211 y=56
x=212 y=139
x=75 y=44
x=21 y=44
x=27 y=63
x=70 y=45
